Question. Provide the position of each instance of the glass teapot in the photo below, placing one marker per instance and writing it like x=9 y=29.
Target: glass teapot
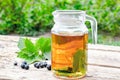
x=69 y=43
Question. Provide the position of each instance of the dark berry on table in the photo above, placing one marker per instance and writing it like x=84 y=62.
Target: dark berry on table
x=49 y=67
x=23 y=66
x=26 y=67
x=41 y=65
x=45 y=64
x=46 y=58
x=37 y=67
x=15 y=63
x=24 y=62
x=35 y=64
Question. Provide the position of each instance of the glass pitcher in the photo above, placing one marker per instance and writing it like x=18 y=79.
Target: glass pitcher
x=69 y=43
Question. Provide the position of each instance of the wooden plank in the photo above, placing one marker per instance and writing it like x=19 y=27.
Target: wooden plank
x=15 y=38
x=104 y=58
x=103 y=73
x=104 y=47
x=94 y=73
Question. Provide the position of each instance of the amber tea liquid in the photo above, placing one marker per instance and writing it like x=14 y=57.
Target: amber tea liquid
x=69 y=55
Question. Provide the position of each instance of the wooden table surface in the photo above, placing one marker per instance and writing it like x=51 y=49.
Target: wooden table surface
x=103 y=63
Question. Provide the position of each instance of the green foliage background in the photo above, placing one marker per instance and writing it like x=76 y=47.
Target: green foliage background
x=32 y=17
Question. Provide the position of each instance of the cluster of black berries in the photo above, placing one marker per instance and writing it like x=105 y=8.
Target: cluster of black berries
x=24 y=65
x=37 y=65
x=42 y=65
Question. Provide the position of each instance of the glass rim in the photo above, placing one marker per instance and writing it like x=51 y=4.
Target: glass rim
x=68 y=12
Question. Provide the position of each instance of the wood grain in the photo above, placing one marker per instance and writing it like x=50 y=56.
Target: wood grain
x=104 y=58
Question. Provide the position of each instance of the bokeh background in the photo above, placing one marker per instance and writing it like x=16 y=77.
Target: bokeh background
x=34 y=17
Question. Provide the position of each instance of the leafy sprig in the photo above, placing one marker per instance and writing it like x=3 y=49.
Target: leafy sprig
x=32 y=52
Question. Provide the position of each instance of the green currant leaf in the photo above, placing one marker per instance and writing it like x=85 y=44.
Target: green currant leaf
x=43 y=44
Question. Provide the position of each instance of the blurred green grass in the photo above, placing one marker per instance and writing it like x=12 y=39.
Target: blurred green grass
x=105 y=39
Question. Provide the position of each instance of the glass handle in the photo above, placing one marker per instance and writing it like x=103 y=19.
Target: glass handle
x=93 y=23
